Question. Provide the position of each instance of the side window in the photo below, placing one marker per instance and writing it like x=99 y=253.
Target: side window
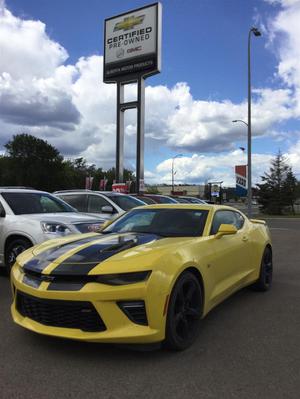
x=222 y=217
x=239 y=223
x=78 y=201
x=96 y=203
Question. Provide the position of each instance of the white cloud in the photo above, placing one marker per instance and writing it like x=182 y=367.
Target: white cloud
x=219 y=167
x=40 y=103
x=26 y=49
x=285 y=33
x=284 y=3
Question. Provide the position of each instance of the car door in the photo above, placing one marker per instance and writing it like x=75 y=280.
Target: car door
x=231 y=262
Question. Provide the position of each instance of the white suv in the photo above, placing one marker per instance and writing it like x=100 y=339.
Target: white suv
x=29 y=217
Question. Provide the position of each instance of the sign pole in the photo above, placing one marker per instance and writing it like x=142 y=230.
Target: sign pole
x=132 y=52
x=140 y=136
x=120 y=134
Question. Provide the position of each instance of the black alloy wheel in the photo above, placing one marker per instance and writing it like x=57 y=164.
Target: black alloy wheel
x=15 y=248
x=184 y=312
x=264 y=282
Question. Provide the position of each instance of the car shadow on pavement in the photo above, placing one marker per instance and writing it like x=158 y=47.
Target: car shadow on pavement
x=214 y=323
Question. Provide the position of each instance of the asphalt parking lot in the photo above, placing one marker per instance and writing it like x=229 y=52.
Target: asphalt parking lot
x=249 y=347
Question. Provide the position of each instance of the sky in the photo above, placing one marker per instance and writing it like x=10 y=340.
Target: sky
x=51 y=58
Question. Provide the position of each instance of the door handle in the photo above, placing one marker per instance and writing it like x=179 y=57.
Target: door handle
x=245 y=238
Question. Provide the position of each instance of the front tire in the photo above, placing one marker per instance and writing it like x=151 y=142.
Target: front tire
x=15 y=248
x=264 y=281
x=184 y=312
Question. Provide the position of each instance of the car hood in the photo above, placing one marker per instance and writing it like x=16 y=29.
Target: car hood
x=88 y=253
x=64 y=217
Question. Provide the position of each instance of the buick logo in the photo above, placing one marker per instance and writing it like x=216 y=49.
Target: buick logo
x=120 y=53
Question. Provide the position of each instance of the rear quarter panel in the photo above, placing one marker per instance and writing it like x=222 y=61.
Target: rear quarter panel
x=260 y=238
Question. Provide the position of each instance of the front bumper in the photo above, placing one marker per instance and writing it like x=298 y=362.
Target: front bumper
x=104 y=299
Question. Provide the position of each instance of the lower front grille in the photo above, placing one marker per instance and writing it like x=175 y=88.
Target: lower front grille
x=89 y=227
x=57 y=313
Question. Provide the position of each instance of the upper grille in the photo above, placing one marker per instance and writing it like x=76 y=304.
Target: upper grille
x=57 y=313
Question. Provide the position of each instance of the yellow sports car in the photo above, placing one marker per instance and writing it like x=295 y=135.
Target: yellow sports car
x=149 y=276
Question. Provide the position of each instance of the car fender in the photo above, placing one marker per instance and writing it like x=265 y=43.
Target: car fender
x=19 y=233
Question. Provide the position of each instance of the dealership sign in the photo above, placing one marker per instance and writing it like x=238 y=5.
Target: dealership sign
x=215 y=190
x=241 y=180
x=120 y=188
x=132 y=44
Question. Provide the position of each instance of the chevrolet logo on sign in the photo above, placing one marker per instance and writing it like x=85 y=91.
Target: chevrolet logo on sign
x=129 y=23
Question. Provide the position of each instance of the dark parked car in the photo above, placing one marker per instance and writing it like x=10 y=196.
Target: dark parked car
x=145 y=198
x=189 y=200
x=161 y=199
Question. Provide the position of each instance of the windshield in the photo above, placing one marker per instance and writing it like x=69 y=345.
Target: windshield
x=182 y=200
x=147 y=200
x=195 y=201
x=28 y=203
x=126 y=202
x=164 y=222
x=164 y=200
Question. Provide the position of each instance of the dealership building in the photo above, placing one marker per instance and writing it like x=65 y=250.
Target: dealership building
x=194 y=190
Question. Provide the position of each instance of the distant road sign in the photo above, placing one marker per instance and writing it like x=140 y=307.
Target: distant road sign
x=241 y=180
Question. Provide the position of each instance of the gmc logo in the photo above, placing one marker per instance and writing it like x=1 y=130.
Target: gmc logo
x=133 y=49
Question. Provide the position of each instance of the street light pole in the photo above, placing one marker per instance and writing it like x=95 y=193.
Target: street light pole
x=256 y=33
x=173 y=159
x=240 y=120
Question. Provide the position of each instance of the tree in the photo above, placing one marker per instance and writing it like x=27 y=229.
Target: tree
x=290 y=188
x=33 y=162
x=278 y=189
x=5 y=171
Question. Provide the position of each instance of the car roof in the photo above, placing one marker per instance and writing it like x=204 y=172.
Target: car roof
x=156 y=195
x=82 y=191
x=20 y=190
x=188 y=206
x=190 y=197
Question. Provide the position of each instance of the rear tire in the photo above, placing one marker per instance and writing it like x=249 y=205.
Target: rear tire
x=15 y=248
x=264 y=281
x=184 y=312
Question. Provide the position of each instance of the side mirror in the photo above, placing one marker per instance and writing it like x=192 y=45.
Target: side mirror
x=2 y=213
x=107 y=209
x=226 y=230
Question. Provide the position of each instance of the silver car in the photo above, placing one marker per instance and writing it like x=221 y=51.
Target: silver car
x=29 y=217
x=106 y=204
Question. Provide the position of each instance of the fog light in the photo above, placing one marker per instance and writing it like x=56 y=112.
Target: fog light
x=135 y=311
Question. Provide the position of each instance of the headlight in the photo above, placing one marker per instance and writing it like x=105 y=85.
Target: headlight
x=55 y=228
x=123 y=278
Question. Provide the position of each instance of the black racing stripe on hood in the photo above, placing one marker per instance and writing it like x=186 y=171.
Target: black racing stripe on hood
x=41 y=261
x=82 y=262
x=32 y=281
